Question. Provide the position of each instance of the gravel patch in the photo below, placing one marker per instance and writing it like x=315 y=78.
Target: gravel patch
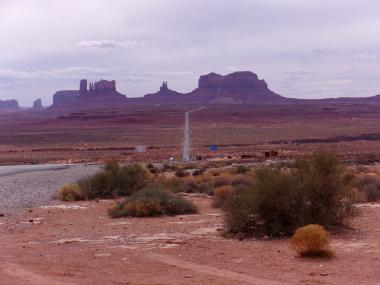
x=32 y=189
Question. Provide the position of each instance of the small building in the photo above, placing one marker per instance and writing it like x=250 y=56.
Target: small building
x=140 y=148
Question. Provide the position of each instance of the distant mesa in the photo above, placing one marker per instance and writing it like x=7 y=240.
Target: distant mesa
x=237 y=87
x=9 y=105
x=242 y=87
x=102 y=91
x=37 y=105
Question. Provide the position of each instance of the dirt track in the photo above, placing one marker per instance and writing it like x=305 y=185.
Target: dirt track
x=79 y=244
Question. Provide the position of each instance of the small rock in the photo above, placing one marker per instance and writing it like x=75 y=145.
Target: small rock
x=324 y=274
x=1 y=215
x=31 y=221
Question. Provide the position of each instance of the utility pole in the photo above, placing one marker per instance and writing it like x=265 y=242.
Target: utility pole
x=186 y=139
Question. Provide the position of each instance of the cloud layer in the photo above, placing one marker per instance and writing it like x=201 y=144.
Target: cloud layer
x=304 y=49
x=110 y=44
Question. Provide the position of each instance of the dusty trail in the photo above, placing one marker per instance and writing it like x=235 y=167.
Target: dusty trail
x=204 y=269
x=27 y=277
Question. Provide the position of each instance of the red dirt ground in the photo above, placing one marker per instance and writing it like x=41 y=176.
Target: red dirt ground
x=79 y=244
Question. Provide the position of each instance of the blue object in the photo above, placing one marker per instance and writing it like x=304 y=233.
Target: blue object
x=213 y=147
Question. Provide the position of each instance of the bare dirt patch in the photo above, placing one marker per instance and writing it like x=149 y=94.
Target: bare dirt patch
x=69 y=245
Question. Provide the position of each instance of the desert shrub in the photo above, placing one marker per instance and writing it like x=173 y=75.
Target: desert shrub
x=368 y=188
x=152 y=168
x=114 y=181
x=222 y=180
x=69 y=193
x=278 y=202
x=242 y=180
x=205 y=183
x=188 y=185
x=311 y=241
x=152 y=201
x=169 y=167
x=189 y=166
x=221 y=194
x=214 y=172
x=241 y=169
x=198 y=171
x=181 y=173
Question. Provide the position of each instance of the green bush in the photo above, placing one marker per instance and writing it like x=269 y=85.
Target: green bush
x=152 y=201
x=113 y=181
x=278 y=202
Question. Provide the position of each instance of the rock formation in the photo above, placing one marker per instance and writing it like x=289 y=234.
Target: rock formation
x=9 y=105
x=238 y=87
x=99 y=92
x=83 y=87
x=37 y=105
x=235 y=88
x=164 y=95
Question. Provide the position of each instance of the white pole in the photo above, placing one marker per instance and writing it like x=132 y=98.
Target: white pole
x=186 y=141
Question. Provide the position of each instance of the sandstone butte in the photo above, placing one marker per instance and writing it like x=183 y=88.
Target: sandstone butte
x=242 y=87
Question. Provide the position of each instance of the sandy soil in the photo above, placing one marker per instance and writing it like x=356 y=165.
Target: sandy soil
x=79 y=244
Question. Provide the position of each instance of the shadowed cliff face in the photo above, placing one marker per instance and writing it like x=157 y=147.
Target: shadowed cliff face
x=243 y=87
x=37 y=105
x=99 y=92
x=234 y=88
x=9 y=105
x=240 y=86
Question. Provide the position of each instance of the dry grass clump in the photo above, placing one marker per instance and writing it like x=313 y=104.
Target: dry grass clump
x=221 y=194
x=69 y=193
x=169 y=167
x=151 y=202
x=153 y=169
x=368 y=188
x=311 y=241
x=242 y=169
x=198 y=171
x=181 y=173
x=204 y=183
x=278 y=202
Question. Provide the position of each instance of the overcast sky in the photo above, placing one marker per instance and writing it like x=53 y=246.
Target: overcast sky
x=302 y=48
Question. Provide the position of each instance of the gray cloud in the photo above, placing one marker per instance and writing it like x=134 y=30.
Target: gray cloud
x=297 y=46
x=110 y=44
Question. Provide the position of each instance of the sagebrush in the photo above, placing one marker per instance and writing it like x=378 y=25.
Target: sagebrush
x=278 y=202
x=153 y=201
x=113 y=181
